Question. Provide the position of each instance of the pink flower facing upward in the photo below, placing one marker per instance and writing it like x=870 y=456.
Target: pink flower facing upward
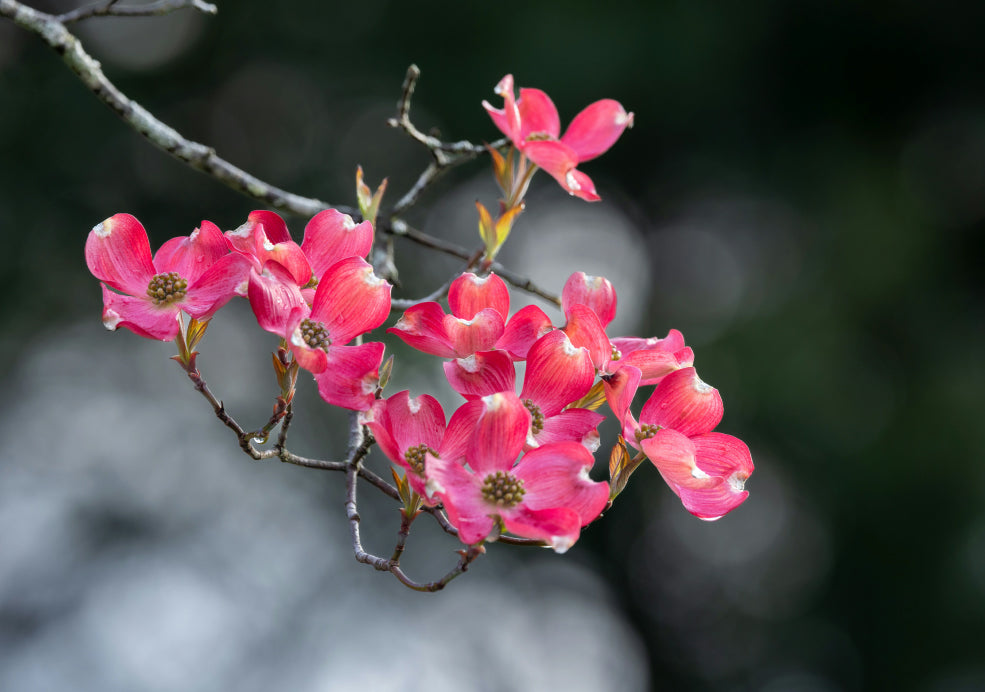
x=707 y=470
x=547 y=495
x=350 y=300
x=194 y=273
x=533 y=125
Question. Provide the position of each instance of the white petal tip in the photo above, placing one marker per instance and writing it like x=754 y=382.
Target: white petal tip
x=103 y=229
x=560 y=544
x=111 y=319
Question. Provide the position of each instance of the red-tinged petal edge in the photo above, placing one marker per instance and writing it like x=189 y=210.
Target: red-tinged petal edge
x=140 y=316
x=468 y=294
x=597 y=128
x=352 y=376
x=117 y=253
x=273 y=225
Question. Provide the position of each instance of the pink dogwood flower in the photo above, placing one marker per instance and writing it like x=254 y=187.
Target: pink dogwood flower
x=557 y=374
x=407 y=429
x=331 y=236
x=479 y=308
x=547 y=495
x=350 y=300
x=194 y=273
x=533 y=125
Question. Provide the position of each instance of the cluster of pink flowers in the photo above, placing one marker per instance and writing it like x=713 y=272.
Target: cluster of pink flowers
x=317 y=296
x=503 y=462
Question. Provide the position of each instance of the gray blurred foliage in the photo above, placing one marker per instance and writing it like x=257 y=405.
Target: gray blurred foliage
x=803 y=196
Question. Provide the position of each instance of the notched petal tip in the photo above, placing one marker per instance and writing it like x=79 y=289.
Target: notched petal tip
x=111 y=319
x=560 y=544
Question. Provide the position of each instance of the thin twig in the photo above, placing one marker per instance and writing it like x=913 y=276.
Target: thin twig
x=110 y=8
x=445 y=154
x=401 y=229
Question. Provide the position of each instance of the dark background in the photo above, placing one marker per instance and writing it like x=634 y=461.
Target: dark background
x=803 y=196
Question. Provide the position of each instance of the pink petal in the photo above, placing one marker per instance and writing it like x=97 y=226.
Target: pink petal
x=718 y=454
x=499 y=434
x=557 y=476
x=674 y=456
x=557 y=373
x=287 y=254
x=312 y=359
x=553 y=156
x=352 y=376
x=461 y=493
x=468 y=294
x=684 y=403
x=620 y=389
x=191 y=255
x=713 y=487
x=557 y=526
x=538 y=115
x=351 y=300
x=422 y=326
x=674 y=341
x=415 y=421
x=655 y=365
x=572 y=425
x=273 y=225
x=595 y=292
x=477 y=334
x=140 y=316
x=460 y=429
x=597 y=128
x=523 y=329
x=579 y=185
x=216 y=286
x=507 y=118
x=331 y=236
x=273 y=295
x=118 y=253
x=585 y=331
x=481 y=374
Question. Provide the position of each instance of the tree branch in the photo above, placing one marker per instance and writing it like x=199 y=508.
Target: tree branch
x=110 y=8
x=198 y=156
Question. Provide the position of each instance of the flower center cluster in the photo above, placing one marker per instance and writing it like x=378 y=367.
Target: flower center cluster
x=414 y=456
x=646 y=431
x=536 y=417
x=315 y=335
x=503 y=489
x=167 y=288
x=616 y=353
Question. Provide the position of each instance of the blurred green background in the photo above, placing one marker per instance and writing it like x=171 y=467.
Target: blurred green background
x=803 y=196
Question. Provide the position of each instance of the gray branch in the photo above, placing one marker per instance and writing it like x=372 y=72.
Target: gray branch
x=111 y=8
x=199 y=156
